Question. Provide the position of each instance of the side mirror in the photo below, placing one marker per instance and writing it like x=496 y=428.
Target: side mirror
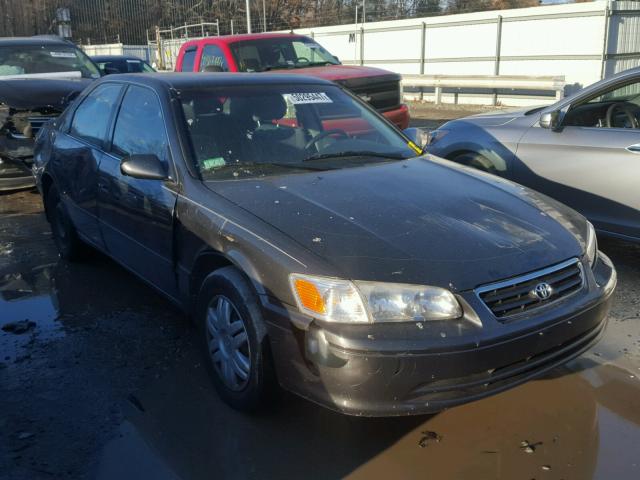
x=418 y=136
x=337 y=59
x=550 y=120
x=145 y=167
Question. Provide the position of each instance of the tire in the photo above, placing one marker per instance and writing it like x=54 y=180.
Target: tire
x=236 y=347
x=69 y=246
x=475 y=160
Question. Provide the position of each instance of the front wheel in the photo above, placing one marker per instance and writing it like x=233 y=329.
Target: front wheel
x=476 y=160
x=234 y=339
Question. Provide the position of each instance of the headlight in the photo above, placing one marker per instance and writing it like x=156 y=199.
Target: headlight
x=336 y=300
x=591 y=246
x=436 y=135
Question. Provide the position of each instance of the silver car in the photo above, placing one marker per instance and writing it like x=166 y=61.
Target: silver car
x=583 y=151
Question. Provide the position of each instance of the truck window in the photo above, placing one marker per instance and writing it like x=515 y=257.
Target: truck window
x=189 y=59
x=212 y=56
x=259 y=55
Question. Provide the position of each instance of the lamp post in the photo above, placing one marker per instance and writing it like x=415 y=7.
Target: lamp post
x=248 y=16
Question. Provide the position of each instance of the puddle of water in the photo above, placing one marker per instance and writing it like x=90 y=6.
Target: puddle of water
x=28 y=296
x=583 y=421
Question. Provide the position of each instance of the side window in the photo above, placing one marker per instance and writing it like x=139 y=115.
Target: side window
x=91 y=119
x=140 y=127
x=189 y=59
x=617 y=107
x=212 y=56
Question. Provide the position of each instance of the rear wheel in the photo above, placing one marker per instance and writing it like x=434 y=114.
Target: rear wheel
x=64 y=233
x=234 y=340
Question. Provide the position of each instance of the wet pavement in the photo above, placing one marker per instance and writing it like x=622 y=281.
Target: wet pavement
x=106 y=382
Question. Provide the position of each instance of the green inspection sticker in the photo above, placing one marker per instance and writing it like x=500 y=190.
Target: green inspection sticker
x=211 y=163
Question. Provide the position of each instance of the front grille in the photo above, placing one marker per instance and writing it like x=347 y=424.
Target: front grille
x=36 y=123
x=517 y=295
x=380 y=96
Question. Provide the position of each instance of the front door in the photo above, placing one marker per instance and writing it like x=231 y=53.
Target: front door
x=136 y=216
x=593 y=162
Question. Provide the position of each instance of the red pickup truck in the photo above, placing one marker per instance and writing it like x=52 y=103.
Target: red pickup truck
x=295 y=54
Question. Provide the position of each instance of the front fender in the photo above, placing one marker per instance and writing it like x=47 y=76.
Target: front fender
x=463 y=137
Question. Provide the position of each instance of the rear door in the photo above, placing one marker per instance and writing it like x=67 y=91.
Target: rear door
x=76 y=156
x=592 y=164
x=136 y=216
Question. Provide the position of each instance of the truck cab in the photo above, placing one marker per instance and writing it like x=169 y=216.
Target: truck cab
x=296 y=54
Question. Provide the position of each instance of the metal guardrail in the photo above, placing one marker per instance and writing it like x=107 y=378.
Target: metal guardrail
x=492 y=82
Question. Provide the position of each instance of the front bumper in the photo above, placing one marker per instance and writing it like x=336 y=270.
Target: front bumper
x=387 y=370
x=398 y=116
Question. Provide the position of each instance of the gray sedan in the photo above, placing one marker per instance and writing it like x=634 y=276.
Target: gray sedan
x=583 y=150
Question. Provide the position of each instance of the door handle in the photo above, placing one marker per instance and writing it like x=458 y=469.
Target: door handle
x=634 y=148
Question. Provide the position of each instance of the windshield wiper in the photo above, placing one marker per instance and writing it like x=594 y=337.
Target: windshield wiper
x=355 y=153
x=318 y=64
x=243 y=165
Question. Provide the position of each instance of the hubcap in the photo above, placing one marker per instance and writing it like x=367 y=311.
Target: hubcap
x=228 y=343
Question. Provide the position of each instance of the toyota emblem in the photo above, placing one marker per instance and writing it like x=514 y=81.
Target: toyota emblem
x=542 y=291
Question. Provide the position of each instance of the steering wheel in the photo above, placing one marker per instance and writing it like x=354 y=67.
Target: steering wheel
x=303 y=60
x=627 y=108
x=325 y=134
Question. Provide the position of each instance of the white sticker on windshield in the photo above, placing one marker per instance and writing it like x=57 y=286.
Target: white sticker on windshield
x=63 y=54
x=313 y=97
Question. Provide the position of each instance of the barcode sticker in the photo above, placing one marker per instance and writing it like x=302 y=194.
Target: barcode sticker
x=63 y=54
x=313 y=97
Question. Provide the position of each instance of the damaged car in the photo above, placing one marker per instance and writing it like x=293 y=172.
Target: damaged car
x=38 y=78
x=342 y=264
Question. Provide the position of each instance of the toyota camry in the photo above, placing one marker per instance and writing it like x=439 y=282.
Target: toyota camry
x=316 y=247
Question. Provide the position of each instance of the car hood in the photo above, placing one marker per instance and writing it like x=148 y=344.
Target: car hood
x=498 y=118
x=341 y=72
x=422 y=221
x=32 y=93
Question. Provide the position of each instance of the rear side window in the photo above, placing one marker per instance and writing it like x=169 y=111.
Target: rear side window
x=212 y=56
x=140 y=126
x=188 y=60
x=91 y=119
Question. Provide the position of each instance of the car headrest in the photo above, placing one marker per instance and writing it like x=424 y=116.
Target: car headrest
x=207 y=106
x=262 y=108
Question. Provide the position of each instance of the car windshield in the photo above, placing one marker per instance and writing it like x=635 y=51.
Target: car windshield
x=277 y=53
x=252 y=131
x=39 y=59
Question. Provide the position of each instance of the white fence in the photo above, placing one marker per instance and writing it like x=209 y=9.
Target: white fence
x=582 y=42
x=140 y=51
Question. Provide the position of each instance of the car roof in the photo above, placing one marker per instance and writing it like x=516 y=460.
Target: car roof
x=190 y=80
x=243 y=37
x=37 y=40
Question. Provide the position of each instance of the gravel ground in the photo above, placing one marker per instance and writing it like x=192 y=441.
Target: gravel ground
x=105 y=382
